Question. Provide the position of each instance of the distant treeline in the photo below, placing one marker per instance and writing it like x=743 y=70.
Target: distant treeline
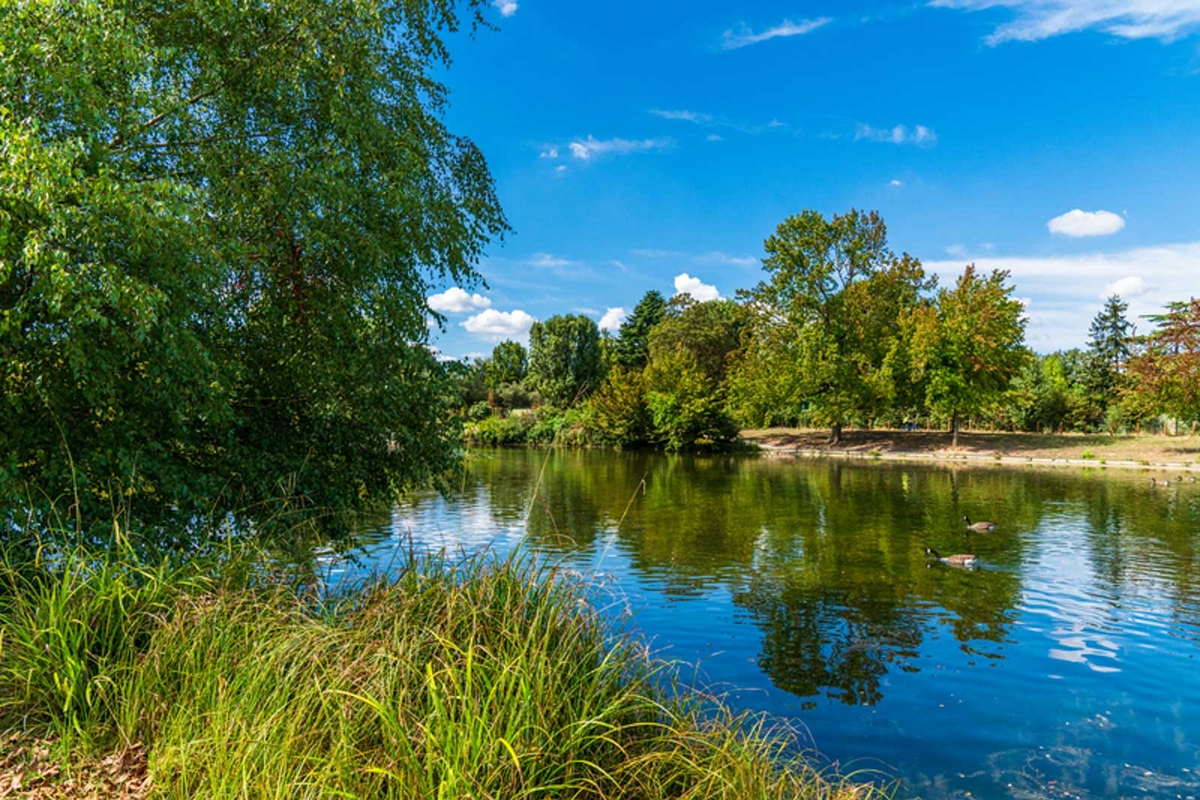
x=842 y=331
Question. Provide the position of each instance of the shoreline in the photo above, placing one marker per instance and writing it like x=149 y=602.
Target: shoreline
x=1123 y=452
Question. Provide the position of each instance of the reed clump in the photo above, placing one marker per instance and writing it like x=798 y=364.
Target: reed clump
x=477 y=678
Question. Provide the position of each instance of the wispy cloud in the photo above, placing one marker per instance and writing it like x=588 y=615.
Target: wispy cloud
x=548 y=261
x=1077 y=223
x=456 y=301
x=744 y=36
x=506 y=7
x=1128 y=19
x=919 y=135
x=587 y=149
x=896 y=182
x=686 y=116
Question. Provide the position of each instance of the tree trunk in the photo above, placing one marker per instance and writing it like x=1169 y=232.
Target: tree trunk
x=954 y=429
x=835 y=434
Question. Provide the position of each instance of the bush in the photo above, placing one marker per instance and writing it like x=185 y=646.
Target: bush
x=479 y=411
x=494 y=430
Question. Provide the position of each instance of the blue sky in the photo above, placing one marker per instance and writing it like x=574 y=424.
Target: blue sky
x=643 y=145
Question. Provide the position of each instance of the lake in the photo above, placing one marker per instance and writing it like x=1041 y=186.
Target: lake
x=1065 y=665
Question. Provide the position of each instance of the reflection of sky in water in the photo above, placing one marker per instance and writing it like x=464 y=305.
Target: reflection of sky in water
x=1063 y=667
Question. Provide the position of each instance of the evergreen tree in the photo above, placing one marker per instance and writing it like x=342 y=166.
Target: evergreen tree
x=1109 y=334
x=632 y=348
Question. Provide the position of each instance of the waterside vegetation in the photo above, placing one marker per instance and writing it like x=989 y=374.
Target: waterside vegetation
x=477 y=677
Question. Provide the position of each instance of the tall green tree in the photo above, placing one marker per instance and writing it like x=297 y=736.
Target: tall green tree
x=632 y=347
x=218 y=224
x=833 y=299
x=565 y=363
x=967 y=345
x=1108 y=349
x=711 y=330
x=508 y=365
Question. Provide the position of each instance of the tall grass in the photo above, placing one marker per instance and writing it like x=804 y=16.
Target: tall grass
x=481 y=678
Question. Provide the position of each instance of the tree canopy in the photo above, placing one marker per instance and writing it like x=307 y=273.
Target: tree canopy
x=218 y=223
x=833 y=299
x=565 y=363
x=632 y=347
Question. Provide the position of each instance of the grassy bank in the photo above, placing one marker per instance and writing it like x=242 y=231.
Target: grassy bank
x=1140 y=450
x=481 y=679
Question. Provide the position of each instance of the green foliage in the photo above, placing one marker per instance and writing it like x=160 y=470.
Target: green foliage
x=479 y=411
x=631 y=350
x=565 y=363
x=684 y=402
x=619 y=412
x=217 y=226
x=968 y=345
x=710 y=330
x=508 y=365
x=478 y=678
x=515 y=395
x=833 y=302
x=499 y=430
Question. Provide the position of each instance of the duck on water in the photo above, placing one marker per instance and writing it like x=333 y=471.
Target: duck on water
x=978 y=526
x=957 y=560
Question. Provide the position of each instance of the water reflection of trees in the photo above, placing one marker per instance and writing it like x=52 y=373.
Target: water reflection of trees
x=826 y=557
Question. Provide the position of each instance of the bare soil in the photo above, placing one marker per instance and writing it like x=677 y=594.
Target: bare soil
x=1134 y=450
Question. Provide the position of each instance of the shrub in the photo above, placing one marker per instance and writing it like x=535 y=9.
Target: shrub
x=512 y=429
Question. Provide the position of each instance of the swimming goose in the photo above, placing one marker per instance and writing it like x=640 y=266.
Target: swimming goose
x=958 y=560
x=978 y=526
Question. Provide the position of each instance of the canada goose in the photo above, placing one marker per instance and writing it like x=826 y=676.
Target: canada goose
x=978 y=526
x=958 y=560
x=1157 y=482
x=1188 y=479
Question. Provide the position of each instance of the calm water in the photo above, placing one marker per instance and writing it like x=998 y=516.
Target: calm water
x=1065 y=665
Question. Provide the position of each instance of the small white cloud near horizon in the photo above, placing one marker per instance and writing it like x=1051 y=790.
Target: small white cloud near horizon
x=1133 y=286
x=506 y=7
x=744 y=36
x=920 y=135
x=456 y=301
x=957 y=250
x=1035 y=20
x=549 y=152
x=700 y=291
x=1077 y=223
x=896 y=182
x=686 y=116
x=586 y=149
x=500 y=323
x=613 y=319
x=561 y=168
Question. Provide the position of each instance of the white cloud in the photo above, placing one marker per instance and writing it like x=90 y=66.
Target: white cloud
x=686 y=284
x=1133 y=286
x=500 y=323
x=612 y=319
x=743 y=37
x=506 y=7
x=957 y=250
x=561 y=168
x=713 y=137
x=587 y=148
x=1086 y=223
x=1127 y=19
x=455 y=301
x=896 y=182
x=920 y=135
x=1065 y=288
x=549 y=152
